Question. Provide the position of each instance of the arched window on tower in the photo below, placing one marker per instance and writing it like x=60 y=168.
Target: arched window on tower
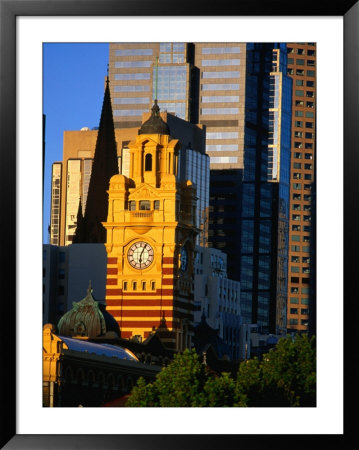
x=148 y=162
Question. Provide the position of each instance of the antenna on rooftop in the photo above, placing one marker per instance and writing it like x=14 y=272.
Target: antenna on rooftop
x=156 y=79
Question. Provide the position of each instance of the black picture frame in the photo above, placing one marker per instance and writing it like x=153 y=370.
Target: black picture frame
x=9 y=10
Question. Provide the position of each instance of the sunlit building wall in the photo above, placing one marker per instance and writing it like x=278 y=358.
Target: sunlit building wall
x=302 y=69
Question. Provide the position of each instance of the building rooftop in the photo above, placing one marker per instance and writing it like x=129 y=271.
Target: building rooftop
x=80 y=345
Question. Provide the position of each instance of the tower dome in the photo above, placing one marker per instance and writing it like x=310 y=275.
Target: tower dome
x=155 y=124
x=87 y=318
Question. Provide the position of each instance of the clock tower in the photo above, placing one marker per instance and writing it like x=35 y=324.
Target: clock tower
x=150 y=244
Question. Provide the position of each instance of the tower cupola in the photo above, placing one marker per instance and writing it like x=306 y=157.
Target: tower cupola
x=155 y=124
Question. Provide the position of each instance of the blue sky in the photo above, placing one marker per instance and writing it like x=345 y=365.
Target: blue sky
x=73 y=89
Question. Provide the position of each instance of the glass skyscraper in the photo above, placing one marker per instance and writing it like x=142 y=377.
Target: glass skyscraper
x=265 y=196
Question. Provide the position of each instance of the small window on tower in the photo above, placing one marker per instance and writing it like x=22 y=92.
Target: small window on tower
x=145 y=205
x=148 y=162
x=132 y=205
x=153 y=285
x=143 y=285
x=125 y=285
x=134 y=285
x=156 y=204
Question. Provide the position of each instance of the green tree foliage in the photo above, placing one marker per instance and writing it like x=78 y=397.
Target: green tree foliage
x=286 y=376
x=179 y=384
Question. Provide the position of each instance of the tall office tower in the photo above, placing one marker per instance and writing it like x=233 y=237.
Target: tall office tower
x=105 y=165
x=302 y=69
x=142 y=72
x=221 y=99
x=222 y=68
x=265 y=198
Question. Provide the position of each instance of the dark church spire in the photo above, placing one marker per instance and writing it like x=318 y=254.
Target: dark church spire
x=80 y=228
x=105 y=165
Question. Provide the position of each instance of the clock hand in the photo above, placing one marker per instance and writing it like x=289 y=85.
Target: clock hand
x=140 y=259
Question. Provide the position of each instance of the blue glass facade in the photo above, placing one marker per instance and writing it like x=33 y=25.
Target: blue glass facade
x=265 y=199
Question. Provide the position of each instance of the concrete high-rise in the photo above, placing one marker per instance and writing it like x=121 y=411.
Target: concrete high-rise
x=302 y=69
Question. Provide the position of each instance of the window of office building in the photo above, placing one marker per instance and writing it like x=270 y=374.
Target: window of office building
x=132 y=88
x=130 y=100
x=222 y=148
x=220 y=99
x=132 y=64
x=129 y=112
x=165 y=58
x=220 y=87
x=134 y=52
x=220 y=50
x=178 y=58
x=132 y=76
x=178 y=108
x=227 y=74
x=171 y=84
x=178 y=47
x=223 y=159
x=219 y=111
x=222 y=135
x=220 y=62
x=165 y=47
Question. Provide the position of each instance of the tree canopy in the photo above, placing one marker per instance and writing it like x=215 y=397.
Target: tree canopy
x=285 y=376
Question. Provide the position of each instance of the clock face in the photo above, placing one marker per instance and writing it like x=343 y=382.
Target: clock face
x=184 y=259
x=140 y=255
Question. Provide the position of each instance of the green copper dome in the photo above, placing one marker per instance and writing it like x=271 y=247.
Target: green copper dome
x=87 y=318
